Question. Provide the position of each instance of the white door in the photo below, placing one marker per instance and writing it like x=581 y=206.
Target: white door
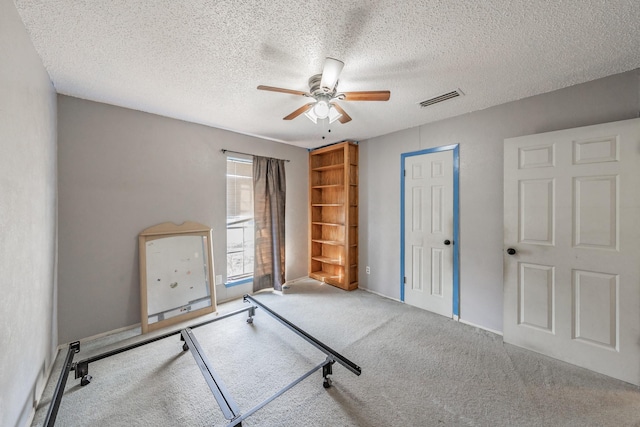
x=572 y=215
x=428 y=240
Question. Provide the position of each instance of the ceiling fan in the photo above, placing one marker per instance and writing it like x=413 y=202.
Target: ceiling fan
x=323 y=88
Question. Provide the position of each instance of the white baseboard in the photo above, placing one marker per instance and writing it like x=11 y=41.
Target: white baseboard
x=40 y=386
x=480 y=327
x=380 y=295
x=455 y=317
x=100 y=335
x=292 y=281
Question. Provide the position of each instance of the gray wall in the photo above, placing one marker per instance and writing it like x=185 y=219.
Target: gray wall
x=480 y=135
x=121 y=171
x=28 y=328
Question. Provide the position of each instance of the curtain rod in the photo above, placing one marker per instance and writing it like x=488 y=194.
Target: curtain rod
x=247 y=154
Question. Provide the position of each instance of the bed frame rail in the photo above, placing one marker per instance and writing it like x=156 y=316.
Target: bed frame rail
x=227 y=404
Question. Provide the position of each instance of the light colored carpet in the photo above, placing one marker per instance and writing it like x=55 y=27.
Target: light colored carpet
x=418 y=369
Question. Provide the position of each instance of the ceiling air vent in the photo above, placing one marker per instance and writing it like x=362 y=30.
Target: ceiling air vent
x=440 y=98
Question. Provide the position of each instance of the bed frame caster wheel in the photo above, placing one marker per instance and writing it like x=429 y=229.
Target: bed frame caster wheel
x=185 y=347
x=85 y=380
x=250 y=320
x=326 y=383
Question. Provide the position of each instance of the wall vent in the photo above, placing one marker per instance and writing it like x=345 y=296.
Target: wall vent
x=441 y=98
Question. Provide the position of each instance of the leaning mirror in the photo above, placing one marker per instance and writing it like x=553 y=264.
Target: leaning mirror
x=176 y=273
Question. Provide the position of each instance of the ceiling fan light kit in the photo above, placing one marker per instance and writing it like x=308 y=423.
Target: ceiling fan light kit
x=333 y=114
x=323 y=89
x=322 y=110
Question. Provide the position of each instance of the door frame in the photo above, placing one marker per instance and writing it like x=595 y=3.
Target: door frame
x=456 y=235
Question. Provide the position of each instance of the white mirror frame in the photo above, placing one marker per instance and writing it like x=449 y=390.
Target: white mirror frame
x=166 y=230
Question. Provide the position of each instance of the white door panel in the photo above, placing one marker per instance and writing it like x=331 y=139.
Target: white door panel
x=428 y=223
x=572 y=213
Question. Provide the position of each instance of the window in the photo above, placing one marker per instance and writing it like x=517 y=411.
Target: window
x=239 y=219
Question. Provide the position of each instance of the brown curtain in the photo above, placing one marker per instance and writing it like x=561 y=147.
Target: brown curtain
x=268 y=209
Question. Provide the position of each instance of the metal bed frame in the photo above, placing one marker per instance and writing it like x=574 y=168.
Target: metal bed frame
x=227 y=404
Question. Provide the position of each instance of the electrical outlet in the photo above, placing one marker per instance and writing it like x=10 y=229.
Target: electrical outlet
x=219 y=279
x=368 y=270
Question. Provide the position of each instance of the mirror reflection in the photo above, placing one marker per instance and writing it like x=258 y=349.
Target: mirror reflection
x=176 y=274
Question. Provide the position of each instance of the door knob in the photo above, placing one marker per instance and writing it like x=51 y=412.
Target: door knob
x=447 y=242
x=511 y=251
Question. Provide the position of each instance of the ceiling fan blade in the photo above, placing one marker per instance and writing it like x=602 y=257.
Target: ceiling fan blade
x=279 y=89
x=299 y=111
x=372 y=95
x=331 y=72
x=344 y=118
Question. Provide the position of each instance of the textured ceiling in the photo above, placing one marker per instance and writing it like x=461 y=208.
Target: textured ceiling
x=201 y=61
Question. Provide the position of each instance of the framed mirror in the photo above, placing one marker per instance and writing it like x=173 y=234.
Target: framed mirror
x=176 y=273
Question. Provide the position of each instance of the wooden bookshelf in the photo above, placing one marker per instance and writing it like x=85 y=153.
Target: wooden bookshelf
x=333 y=215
